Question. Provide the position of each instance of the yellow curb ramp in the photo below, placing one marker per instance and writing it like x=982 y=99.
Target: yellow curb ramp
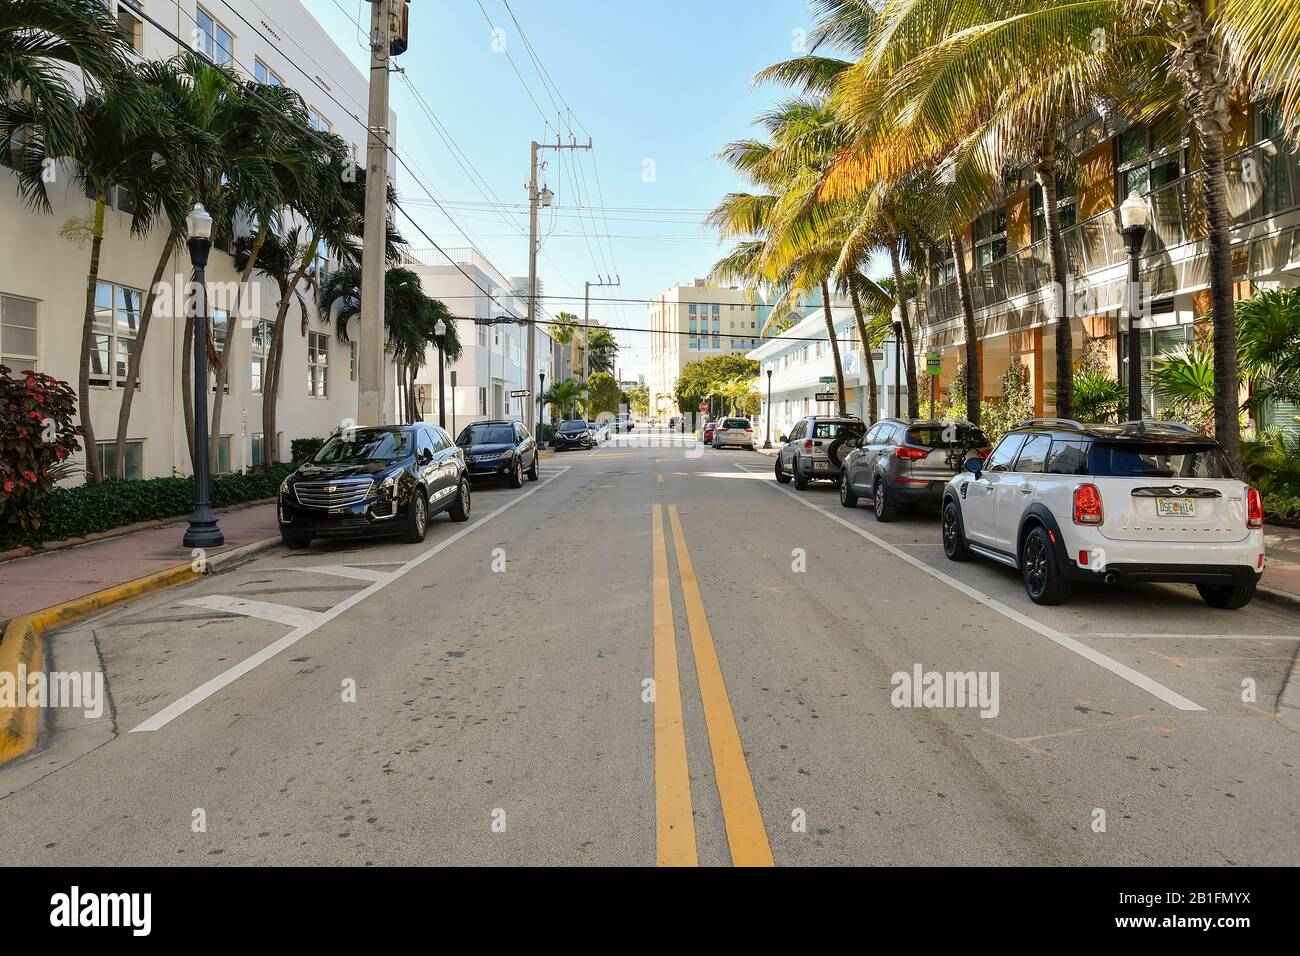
x=21 y=645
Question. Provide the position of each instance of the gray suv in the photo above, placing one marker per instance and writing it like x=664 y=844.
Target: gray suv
x=907 y=462
x=816 y=447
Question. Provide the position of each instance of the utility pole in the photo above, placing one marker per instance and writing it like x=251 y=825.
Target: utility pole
x=586 y=322
x=372 y=397
x=537 y=199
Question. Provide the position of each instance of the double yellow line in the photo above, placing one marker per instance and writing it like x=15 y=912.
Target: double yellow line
x=674 y=824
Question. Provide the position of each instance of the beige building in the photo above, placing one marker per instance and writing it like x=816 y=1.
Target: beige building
x=692 y=322
x=43 y=268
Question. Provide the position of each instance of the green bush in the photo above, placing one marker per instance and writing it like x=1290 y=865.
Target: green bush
x=1273 y=466
x=76 y=512
x=1015 y=406
x=37 y=439
x=300 y=449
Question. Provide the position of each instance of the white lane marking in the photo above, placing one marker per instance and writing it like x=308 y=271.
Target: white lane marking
x=1150 y=635
x=231 y=674
x=1136 y=678
x=342 y=571
x=263 y=610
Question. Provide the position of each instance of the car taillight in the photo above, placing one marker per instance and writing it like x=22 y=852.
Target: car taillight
x=909 y=453
x=1254 y=508
x=749 y=428
x=807 y=444
x=1087 y=504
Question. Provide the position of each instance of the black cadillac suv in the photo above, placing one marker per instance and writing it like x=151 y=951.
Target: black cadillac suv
x=375 y=481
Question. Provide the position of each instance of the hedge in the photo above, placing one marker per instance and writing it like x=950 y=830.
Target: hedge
x=76 y=512
x=304 y=449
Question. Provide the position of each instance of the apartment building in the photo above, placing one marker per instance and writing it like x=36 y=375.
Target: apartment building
x=494 y=361
x=692 y=322
x=43 y=267
x=1008 y=261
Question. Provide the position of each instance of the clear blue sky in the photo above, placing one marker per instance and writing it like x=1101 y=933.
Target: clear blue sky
x=667 y=82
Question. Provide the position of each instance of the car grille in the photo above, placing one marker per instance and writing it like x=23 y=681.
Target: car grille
x=328 y=495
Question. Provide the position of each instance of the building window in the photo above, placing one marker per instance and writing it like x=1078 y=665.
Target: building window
x=945 y=269
x=1142 y=164
x=222 y=465
x=1153 y=344
x=317 y=121
x=261 y=345
x=17 y=333
x=130 y=23
x=256 y=451
x=352 y=361
x=318 y=357
x=213 y=39
x=1067 y=206
x=990 y=237
x=220 y=319
x=265 y=75
x=134 y=453
x=482 y=400
x=117 y=321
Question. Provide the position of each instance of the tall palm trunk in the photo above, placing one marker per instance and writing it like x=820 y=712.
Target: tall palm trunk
x=1045 y=168
x=909 y=359
x=835 y=348
x=93 y=471
x=1198 y=63
x=269 y=402
x=974 y=376
x=222 y=369
x=137 y=355
x=873 y=390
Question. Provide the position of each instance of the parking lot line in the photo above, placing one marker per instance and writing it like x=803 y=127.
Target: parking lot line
x=674 y=822
x=746 y=835
x=262 y=610
x=1134 y=677
x=341 y=571
x=201 y=693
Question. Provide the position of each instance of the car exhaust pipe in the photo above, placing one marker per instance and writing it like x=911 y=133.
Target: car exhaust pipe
x=1112 y=577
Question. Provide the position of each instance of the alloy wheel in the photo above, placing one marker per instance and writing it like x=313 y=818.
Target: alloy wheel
x=1035 y=564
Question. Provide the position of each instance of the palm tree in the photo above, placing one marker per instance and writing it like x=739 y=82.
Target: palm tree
x=564 y=397
x=39 y=106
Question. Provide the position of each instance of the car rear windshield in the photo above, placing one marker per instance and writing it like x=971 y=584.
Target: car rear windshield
x=1155 y=460
x=736 y=423
x=487 y=435
x=947 y=436
x=366 y=444
x=838 y=429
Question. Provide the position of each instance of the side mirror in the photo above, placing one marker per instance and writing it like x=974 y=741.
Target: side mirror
x=782 y=439
x=425 y=457
x=974 y=465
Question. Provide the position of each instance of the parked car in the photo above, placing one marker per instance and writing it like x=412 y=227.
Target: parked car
x=816 y=447
x=902 y=462
x=673 y=422
x=599 y=431
x=709 y=426
x=623 y=423
x=573 y=433
x=734 y=433
x=502 y=450
x=1143 y=501
x=375 y=481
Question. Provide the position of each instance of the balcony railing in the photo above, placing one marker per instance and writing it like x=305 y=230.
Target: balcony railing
x=1263 y=181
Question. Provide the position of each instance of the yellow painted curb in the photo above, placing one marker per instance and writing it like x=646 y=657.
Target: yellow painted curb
x=21 y=645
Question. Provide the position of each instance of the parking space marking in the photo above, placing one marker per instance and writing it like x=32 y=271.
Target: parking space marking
x=341 y=571
x=262 y=610
x=201 y=693
x=1134 y=677
x=1149 y=635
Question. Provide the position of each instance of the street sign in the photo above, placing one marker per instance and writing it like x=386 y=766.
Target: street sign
x=827 y=379
x=933 y=362
x=826 y=397
x=704 y=406
x=520 y=393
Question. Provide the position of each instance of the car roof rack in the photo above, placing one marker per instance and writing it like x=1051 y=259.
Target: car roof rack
x=1067 y=422
x=1140 y=425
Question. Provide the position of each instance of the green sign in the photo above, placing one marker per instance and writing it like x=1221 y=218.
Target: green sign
x=933 y=362
x=827 y=379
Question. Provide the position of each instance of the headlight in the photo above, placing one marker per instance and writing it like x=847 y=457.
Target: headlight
x=508 y=453
x=284 y=485
x=388 y=484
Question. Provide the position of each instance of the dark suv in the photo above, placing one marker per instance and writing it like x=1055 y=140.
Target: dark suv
x=375 y=481
x=907 y=462
x=502 y=450
x=574 y=433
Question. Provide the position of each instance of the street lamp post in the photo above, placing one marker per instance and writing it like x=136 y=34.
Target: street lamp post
x=1133 y=215
x=767 y=442
x=203 y=532
x=898 y=369
x=541 y=409
x=440 y=336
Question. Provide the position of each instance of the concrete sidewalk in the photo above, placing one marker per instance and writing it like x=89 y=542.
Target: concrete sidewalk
x=46 y=579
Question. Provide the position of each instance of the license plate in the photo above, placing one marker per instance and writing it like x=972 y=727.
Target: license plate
x=1176 y=507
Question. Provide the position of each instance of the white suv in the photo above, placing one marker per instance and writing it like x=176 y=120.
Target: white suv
x=1143 y=501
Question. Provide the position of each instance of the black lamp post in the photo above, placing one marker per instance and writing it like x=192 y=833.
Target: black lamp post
x=767 y=442
x=440 y=336
x=203 y=532
x=898 y=369
x=1133 y=217
x=541 y=409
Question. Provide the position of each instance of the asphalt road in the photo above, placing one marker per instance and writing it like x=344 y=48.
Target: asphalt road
x=658 y=654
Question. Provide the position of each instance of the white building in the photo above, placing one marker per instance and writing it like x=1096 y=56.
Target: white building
x=494 y=362
x=42 y=273
x=801 y=363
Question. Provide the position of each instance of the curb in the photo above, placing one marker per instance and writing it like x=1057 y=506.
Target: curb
x=21 y=643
